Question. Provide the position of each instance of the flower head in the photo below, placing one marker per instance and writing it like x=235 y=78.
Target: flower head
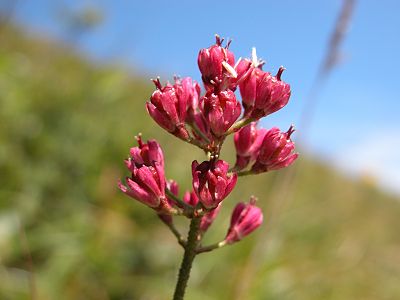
x=220 y=110
x=147 y=181
x=246 y=217
x=276 y=151
x=216 y=65
x=211 y=182
x=262 y=94
x=169 y=105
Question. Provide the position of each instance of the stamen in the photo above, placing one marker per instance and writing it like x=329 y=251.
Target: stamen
x=237 y=62
x=254 y=59
x=230 y=69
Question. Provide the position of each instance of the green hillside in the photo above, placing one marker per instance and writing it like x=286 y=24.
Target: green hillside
x=66 y=232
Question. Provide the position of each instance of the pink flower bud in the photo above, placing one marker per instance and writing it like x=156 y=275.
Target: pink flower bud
x=248 y=141
x=211 y=182
x=191 y=198
x=246 y=217
x=216 y=65
x=173 y=186
x=146 y=154
x=190 y=90
x=147 y=181
x=208 y=218
x=243 y=67
x=195 y=118
x=276 y=151
x=220 y=110
x=263 y=94
x=168 y=105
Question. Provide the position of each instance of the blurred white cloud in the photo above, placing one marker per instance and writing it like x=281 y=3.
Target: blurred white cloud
x=375 y=155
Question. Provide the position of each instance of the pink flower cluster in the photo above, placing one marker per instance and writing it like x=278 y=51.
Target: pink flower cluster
x=205 y=121
x=268 y=149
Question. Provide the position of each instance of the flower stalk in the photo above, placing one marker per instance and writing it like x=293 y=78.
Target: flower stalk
x=211 y=247
x=188 y=257
x=177 y=234
x=239 y=124
x=186 y=206
x=245 y=173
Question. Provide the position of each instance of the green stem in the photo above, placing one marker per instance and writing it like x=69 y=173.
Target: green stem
x=239 y=124
x=188 y=257
x=196 y=143
x=245 y=173
x=200 y=133
x=177 y=234
x=186 y=206
x=211 y=247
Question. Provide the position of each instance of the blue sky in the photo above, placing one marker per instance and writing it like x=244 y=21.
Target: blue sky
x=356 y=125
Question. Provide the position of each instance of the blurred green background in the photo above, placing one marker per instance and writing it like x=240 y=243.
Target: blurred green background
x=66 y=232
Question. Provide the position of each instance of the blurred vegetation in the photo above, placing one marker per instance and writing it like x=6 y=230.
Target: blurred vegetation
x=66 y=232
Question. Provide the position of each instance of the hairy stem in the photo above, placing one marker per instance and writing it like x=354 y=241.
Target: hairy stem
x=188 y=257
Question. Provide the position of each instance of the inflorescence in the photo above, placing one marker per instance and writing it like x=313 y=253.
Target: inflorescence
x=206 y=121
